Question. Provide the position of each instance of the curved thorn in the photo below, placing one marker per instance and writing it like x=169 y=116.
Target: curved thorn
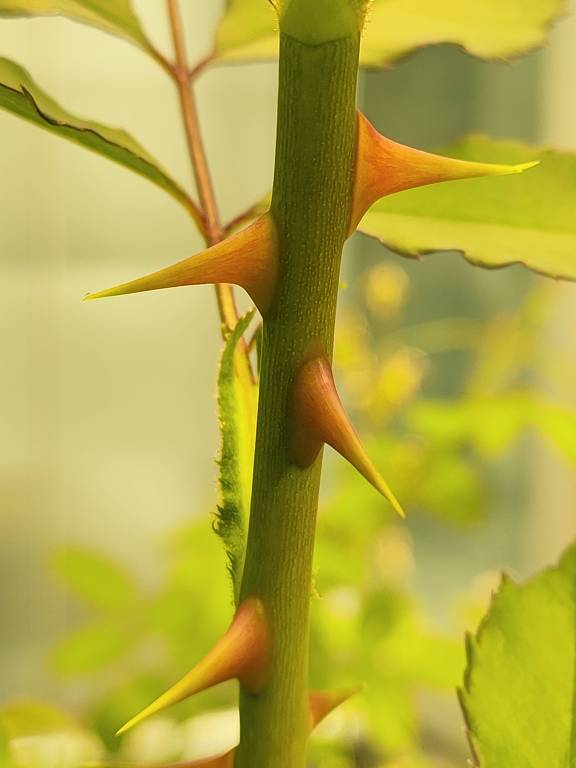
x=324 y=702
x=248 y=258
x=384 y=167
x=242 y=653
x=318 y=417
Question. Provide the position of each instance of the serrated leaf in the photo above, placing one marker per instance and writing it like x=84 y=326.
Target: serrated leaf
x=20 y=95
x=96 y=579
x=518 y=695
x=526 y=218
x=489 y=29
x=92 y=648
x=114 y=16
x=237 y=404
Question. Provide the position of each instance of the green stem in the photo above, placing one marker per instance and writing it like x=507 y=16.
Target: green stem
x=311 y=206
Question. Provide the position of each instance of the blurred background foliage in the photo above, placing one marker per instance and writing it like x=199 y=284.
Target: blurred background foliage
x=460 y=381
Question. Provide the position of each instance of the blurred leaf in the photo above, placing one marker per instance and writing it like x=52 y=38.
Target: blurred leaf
x=489 y=29
x=392 y=715
x=20 y=95
x=91 y=648
x=558 y=423
x=237 y=404
x=377 y=635
x=34 y=734
x=415 y=761
x=120 y=703
x=28 y=717
x=526 y=218
x=115 y=16
x=518 y=695
x=407 y=649
x=247 y=31
x=96 y=579
x=194 y=552
x=491 y=425
x=63 y=749
x=451 y=488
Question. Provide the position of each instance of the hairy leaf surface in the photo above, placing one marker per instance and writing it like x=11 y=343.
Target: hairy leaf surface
x=519 y=695
x=114 y=16
x=20 y=95
x=237 y=402
x=526 y=218
x=490 y=29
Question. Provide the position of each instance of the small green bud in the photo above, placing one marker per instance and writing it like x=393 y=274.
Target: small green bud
x=314 y=22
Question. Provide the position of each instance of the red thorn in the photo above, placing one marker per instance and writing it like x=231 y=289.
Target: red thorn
x=324 y=702
x=242 y=653
x=384 y=167
x=318 y=417
x=248 y=258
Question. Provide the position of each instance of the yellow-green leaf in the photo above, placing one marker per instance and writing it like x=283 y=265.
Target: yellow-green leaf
x=248 y=31
x=522 y=219
x=114 y=16
x=518 y=696
x=492 y=424
x=20 y=95
x=96 y=579
x=237 y=404
x=490 y=29
x=93 y=647
x=26 y=717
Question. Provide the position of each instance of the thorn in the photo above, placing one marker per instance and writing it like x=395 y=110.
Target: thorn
x=384 y=167
x=319 y=417
x=242 y=653
x=248 y=258
x=324 y=702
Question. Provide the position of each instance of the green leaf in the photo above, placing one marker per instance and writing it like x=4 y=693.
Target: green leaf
x=490 y=29
x=558 y=423
x=91 y=648
x=96 y=579
x=248 y=31
x=237 y=404
x=518 y=695
x=20 y=95
x=526 y=218
x=115 y=16
x=492 y=424
x=29 y=717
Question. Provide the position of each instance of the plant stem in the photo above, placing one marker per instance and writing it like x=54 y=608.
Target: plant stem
x=213 y=230
x=311 y=206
